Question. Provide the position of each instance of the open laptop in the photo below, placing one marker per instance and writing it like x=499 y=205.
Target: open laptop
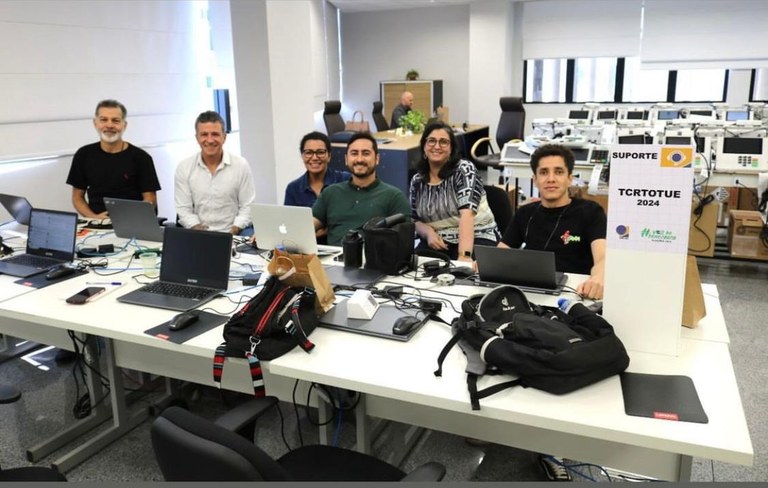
x=287 y=227
x=193 y=271
x=527 y=269
x=50 y=242
x=134 y=219
x=18 y=207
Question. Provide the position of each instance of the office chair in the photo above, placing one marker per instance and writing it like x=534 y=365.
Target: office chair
x=501 y=207
x=378 y=117
x=190 y=448
x=334 y=122
x=511 y=126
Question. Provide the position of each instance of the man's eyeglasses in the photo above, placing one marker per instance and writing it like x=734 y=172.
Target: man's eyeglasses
x=320 y=153
x=431 y=141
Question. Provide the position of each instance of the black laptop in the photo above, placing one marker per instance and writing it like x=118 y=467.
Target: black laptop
x=193 y=271
x=18 y=207
x=50 y=242
x=527 y=269
x=134 y=219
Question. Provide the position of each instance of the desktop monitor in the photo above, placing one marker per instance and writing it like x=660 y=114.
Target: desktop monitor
x=637 y=115
x=733 y=115
x=742 y=153
x=581 y=155
x=677 y=140
x=579 y=114
x=607 y=115
x=703 y=113
x=668 y=114
x=633 y=139
x=742 y=145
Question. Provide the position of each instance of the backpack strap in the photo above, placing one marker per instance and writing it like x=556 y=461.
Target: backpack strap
x=254 y=366
x=456 y=337
x=294 y=327
x=475 y=395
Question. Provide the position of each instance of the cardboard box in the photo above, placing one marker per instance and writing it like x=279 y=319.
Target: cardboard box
x=694 y=308
x=748 y=199
x=730 y=203
x=581 y=192
x=701 y=237
x=744 y=229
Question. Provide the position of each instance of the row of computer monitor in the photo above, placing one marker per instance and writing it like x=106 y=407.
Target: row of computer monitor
x=661 y=114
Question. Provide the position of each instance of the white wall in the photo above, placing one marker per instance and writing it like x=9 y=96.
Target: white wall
x=61 y=58
x=377 y=46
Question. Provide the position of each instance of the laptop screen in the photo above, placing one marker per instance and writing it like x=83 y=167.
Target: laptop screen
x=18 y=207
x=196 y=257
x=50 y=230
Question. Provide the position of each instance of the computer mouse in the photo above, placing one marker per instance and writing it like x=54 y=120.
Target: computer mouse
x=184 y=320
x=405 y=324
x=59 y=272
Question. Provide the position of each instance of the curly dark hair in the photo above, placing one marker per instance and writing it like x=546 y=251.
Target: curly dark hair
x=553 y=150
x=422 y=167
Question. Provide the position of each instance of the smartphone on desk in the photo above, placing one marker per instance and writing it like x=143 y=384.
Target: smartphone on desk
x=85 y=295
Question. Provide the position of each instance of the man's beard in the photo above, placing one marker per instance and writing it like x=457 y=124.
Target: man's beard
x=110 y=138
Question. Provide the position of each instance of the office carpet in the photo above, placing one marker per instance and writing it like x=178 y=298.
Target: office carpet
x=49 y=392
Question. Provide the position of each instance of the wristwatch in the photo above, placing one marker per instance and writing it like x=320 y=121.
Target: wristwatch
x=466 y=254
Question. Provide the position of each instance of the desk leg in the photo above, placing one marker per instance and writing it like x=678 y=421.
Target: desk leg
x=363 y=440
x=686 y=465
x=122 y=422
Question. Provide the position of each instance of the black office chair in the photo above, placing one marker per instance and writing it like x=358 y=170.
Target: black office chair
x=501 y=207
x=334 y=122
x=378 y=117
x=511 y=126
x=190 y=448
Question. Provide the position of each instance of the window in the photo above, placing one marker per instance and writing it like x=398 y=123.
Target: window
x=759 y=91
x=594 y=80
x=700 y=85
x=545 y=80
x=644 y=85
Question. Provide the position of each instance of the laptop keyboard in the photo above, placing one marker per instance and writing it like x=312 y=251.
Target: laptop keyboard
x=181 y=291
x=34 y=261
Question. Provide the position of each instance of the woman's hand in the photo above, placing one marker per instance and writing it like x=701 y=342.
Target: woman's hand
x=434 y=241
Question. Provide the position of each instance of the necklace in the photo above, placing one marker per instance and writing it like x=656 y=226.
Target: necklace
x=551 y=234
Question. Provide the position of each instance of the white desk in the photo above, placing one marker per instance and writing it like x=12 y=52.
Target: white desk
x=398 y=383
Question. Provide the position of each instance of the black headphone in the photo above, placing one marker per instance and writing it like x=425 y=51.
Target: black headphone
x=441 y=264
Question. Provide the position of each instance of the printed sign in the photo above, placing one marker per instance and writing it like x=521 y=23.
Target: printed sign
x=650 y=195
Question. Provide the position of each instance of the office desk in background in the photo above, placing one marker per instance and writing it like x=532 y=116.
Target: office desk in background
x=398 y=158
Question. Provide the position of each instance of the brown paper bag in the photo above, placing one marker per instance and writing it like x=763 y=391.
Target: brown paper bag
x=443 y=114
x=304 y=270
x=357 y=125
x=693 y=298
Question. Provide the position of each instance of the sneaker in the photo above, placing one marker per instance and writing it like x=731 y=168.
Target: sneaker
x=63 y=356
x=554 y=468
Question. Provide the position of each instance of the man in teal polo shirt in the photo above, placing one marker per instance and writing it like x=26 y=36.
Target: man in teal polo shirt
x=350 y=204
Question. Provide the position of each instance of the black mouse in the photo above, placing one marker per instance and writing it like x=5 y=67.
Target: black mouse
x=405 y=324
x=59 y=272
x=184 y=320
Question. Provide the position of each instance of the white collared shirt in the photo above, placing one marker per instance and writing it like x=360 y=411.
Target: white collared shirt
x=219 y=200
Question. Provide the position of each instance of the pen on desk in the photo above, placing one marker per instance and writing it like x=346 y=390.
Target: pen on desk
x=97 y=283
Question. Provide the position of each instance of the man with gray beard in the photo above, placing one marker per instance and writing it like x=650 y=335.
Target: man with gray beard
x=111 y=167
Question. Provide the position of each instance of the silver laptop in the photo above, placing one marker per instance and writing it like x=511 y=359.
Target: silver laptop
x=527 y=269
x=134 y=219
x=380 y=325
x=193 y=271
x=50 y=242
x=18 y=207
x=286 y=227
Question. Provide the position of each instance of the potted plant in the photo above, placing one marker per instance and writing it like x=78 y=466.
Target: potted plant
x=412 y=75
x=413 y=121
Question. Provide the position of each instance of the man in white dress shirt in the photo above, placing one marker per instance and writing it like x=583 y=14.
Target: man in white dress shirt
x=213 y=188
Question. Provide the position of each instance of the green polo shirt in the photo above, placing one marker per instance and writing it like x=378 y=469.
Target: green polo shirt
x=345 y=206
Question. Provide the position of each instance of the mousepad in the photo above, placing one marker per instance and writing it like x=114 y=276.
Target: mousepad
x=206 y=322
x=380 y=325
x=39 y=281
x=662 y=397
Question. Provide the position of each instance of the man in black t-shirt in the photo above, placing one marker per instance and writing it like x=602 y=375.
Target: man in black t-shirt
x=574 y=229
x=110 y=167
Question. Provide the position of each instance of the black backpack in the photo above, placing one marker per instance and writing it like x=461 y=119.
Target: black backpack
x=272 y=323
x=544 y=347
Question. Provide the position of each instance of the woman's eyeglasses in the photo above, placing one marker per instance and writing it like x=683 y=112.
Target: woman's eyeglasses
x=320 y=153
x=431 y=141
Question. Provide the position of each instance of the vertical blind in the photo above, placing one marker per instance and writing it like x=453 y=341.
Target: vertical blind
x=590 y=28
x=690 y=34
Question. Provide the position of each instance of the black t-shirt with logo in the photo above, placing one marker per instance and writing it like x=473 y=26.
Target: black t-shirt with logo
x=567 y=231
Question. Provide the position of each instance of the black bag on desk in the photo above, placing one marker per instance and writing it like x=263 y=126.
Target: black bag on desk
x=545 y=347
x=389 y=247
x=272 y=323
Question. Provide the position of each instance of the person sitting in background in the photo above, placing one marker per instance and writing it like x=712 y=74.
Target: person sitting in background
x=406 y=105
x=315 y=150
x=214 y=189
x=574 y=229
x=448 y=201
x=110 y=167
x=348 y=205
